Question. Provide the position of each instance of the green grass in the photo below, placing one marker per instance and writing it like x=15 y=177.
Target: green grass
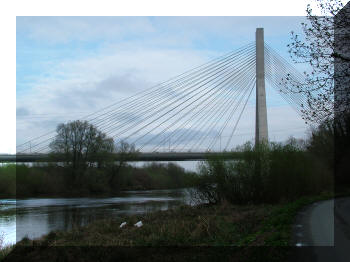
x=8 y=212
x=277 y=229
x=5 y=251
x=185 y=226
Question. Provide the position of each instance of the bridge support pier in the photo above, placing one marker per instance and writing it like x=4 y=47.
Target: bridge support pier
x=261 y=132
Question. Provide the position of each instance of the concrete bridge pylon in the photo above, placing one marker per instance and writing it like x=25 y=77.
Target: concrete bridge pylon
x=261 y=130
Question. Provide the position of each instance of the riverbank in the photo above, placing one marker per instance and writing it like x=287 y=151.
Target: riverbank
x=206 y=225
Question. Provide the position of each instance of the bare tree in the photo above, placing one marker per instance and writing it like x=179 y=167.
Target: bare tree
x=326 y=48
x=81 y=144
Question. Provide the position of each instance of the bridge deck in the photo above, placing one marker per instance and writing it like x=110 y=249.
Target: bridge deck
x=169 y=156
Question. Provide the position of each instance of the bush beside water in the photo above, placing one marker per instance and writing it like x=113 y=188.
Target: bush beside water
x=267 y=173
x=7 y=180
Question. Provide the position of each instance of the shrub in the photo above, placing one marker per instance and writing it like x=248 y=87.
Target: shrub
x=8 y=180
x=330 y=142
x=268 y=172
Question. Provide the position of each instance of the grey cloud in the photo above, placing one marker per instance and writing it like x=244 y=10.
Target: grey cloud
x=21 y=111
x=127 y=83
x=128 y=71
x=94 y=96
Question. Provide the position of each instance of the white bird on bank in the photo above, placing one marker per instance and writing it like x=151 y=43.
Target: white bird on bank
x=138 y=224
x=122 y=224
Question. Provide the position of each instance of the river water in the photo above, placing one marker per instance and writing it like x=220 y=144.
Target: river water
x=34 y=217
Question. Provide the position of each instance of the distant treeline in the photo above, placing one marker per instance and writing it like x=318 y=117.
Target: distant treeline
x=269 y=172
x=55 y=180
x=84 y=165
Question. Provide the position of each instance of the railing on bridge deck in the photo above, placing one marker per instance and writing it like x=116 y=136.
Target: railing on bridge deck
x=167 y=156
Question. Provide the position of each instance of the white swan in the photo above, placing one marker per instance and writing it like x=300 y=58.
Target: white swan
x=138 y=224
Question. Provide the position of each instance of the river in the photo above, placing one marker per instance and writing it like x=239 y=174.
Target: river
x=34 y=217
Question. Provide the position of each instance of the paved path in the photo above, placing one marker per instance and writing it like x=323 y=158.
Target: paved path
x=325 y=228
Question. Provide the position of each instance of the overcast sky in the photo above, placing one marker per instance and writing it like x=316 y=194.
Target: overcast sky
x=68 y=67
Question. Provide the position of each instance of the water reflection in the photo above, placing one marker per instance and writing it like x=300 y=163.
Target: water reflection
x=38 y=216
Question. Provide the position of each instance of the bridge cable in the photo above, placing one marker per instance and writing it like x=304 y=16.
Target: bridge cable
x=218 y=102
x=240 y=115
x=162 y=102
x=213 y=125
x=145 y=91
x=220 y=110
x=191 y=111
x=170 y=89
x=230 y=115
x=222 y=71
x=187 y=105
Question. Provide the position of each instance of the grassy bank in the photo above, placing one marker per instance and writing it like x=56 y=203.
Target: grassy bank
x=4 y=251
x=8 y=212
x=205 y=225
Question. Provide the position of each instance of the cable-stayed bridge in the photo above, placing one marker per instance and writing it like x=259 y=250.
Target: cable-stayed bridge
x=193 y=113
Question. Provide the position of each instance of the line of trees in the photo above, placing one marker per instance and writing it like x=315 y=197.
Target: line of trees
x=88 y=162
x=269 y=172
